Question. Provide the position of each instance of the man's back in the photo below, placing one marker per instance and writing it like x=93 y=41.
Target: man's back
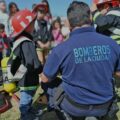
x=87 y=62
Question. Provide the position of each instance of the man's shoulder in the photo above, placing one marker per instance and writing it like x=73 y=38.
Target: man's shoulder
x=102 y=36
x=107 y=40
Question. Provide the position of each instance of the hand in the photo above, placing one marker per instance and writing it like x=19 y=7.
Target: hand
x=93 y=7
x=41 y=45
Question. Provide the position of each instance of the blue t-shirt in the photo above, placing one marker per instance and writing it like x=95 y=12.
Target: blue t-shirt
x=87 y=62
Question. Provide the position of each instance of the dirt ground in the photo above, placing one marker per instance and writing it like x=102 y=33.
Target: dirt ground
x=14 y=114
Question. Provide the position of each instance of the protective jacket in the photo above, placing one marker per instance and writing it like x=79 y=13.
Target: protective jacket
x=25 y=54
x=108 y=24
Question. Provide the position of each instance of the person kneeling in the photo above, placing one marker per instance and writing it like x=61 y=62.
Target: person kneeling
x=87 y=86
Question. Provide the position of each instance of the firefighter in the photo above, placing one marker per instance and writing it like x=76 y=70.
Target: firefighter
x=106 y=15
x=24 y=58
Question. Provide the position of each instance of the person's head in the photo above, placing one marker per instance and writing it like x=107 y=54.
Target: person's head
x=40 y=10
x=2 y=28
x=56 y=24
x=45 y=2
x=107 y=4
x=104 y=6
x=41 y=13
x=3 y=6
x=13 y=8
x=59 y=19
x=23 y=21
x=79 y=14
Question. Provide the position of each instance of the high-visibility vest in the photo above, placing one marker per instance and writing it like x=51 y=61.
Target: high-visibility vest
x=22 y=69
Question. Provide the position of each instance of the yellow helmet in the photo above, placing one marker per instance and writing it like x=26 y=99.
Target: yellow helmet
x=9 y=87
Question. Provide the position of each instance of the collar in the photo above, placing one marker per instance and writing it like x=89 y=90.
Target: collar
x=82 y=30
x=24 y=34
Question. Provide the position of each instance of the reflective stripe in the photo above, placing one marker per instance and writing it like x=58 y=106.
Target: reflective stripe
x=114 y=12
x=96 y=15
x=118 y=42
x=116 y=38
x=113 y=29
x=19 y=41
x=29 y=88
x=39 y=49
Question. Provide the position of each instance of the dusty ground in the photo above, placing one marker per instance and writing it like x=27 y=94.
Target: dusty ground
x=13 y=113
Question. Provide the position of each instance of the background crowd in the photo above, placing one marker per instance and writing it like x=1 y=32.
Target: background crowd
x=53 y=32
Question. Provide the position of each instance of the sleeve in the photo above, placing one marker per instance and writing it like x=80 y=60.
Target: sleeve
x=105 y=22
x=30 y=58
x=52 y=66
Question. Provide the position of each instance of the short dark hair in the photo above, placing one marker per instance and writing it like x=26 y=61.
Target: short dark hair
x=56 y=21
x=2 y=26
x=78 y=14
x=11 y=4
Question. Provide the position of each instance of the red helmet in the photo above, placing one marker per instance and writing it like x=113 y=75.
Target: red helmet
x=40 y=7
x=115 y=3
x=21 y=21
x=101 y=2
